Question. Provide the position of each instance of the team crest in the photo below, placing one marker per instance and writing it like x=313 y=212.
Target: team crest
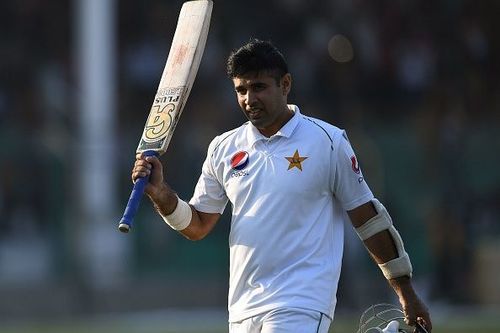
x=296 y=160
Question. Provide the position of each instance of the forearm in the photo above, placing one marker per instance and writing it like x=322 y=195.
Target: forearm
x=382 y=239
x=380 y=244
x=178 y=214
x=415 y=310
x=381 y=247
x=164 y=200
x=201 y=224
x=168 y=204
x=374 y=226
x=403 y=287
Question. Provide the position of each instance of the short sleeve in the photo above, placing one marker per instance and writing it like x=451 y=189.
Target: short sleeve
x=348 y=183
x=209 y=195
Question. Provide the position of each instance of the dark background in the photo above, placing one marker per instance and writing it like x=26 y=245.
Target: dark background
x=415 y=84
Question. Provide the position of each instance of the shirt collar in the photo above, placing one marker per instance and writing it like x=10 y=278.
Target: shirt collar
x=286 y=131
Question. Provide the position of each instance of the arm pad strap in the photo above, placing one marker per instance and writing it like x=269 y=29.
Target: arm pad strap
x=399 y=266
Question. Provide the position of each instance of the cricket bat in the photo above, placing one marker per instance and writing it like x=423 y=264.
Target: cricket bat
x=175 y=84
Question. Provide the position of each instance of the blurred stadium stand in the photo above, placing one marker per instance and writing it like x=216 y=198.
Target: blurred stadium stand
x=415 y=83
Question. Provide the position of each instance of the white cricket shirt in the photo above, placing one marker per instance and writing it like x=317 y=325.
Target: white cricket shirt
x=289 y=194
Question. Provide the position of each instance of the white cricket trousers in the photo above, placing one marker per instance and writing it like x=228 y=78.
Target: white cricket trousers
x=286 y=320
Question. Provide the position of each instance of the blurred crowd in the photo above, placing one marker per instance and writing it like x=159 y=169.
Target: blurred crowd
x=415 y=84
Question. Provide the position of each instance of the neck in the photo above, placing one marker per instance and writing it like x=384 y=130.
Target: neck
x=282 y=119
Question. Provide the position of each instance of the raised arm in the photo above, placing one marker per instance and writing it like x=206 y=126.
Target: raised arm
x=177 y=213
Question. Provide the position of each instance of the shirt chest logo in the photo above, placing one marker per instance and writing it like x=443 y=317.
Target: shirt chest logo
x=239 y=161
x=296 y=160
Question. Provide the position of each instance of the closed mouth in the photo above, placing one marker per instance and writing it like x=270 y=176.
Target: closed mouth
x=254 y=113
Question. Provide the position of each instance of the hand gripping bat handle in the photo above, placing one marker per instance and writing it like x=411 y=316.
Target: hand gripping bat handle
x=134 y=200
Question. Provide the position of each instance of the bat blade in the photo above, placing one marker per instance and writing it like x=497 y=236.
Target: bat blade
x=175 y=85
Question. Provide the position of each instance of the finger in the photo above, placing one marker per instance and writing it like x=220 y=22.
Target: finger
x=142 y=164
x=154 y=161
x=140 y=156
x=141 y=169
x=425 y=323
x=140 y=174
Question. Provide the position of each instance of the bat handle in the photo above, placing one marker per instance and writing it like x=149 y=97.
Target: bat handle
x=134 y=200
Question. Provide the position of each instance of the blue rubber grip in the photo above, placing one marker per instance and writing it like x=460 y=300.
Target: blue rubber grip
x=135 y=199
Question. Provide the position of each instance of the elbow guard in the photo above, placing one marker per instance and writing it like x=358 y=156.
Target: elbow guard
x=399 y=266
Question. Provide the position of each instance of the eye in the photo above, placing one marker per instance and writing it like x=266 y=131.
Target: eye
x=241 y=91
x=259 y=87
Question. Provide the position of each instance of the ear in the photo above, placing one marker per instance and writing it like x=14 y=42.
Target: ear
x=286 y=83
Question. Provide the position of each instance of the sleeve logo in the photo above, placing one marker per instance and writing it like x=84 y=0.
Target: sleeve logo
x=355 y=165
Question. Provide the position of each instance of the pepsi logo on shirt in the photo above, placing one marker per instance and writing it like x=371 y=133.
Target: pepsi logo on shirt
x=239 y=161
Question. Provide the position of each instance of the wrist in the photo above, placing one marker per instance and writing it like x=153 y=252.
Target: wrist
x=162 y=195
x=180 y=218
x=402 y=285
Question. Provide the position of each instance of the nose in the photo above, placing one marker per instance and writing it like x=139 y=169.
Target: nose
x=250 y=98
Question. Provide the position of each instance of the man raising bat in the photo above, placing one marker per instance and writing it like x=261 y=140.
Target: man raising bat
x=290 y=179
x=175 y=85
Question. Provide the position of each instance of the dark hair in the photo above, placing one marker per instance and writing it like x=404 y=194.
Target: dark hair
x=254 y=57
